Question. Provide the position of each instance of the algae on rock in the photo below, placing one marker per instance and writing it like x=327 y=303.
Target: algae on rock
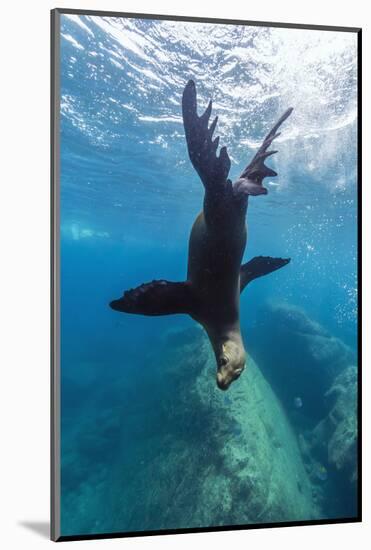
x=307 y=357
x=216 y=458
x=336 y=434
x=166 y=449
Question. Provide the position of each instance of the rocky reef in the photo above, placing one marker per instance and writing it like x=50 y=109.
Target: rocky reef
x=330 y=449
x=187 y=454
x=298 y=356
x=336 y=435
x=313 y=374
x=159 y=446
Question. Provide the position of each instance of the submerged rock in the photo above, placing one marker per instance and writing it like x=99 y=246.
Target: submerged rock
x=156 y=445
x=330 y=449
x=298 y=356
x=336 y=435
x=201 y=457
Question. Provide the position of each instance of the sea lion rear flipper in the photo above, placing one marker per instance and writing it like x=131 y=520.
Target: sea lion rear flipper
x=212 y=169
x=250 y=181
x=258 y=266
x=156 y=298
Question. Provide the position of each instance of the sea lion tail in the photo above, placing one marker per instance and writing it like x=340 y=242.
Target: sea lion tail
x=259 y=266
x=212 y=168
x=250 y=181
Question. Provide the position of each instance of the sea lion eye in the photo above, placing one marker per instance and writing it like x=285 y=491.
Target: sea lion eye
x=223 y=361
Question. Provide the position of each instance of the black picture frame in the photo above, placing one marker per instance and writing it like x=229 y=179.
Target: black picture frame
x=55 y=272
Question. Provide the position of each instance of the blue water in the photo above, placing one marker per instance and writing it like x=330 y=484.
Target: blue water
x=129 y=196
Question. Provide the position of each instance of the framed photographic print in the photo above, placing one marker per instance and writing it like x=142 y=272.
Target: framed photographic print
x=205 y=274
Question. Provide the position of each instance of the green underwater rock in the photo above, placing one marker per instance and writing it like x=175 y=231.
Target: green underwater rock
x=298 y=356
x=157 y=445
x=208 y=458
x=336 y=434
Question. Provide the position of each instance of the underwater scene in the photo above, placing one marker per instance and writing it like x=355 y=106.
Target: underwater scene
x=149 y=441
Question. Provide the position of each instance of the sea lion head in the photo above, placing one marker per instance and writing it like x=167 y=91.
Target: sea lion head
x=231 y=362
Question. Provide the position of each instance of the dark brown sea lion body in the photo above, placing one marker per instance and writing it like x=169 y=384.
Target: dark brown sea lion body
x=214 y=263
x=215 y=278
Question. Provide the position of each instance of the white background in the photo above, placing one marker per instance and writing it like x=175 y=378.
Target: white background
x=24 y=274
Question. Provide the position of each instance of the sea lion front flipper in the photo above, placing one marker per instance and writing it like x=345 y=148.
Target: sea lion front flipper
x=259 y=266
x=250 y=181
x=156 y=298
x=212 y=169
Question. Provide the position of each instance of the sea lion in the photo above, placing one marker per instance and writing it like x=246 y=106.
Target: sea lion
x=215 y=279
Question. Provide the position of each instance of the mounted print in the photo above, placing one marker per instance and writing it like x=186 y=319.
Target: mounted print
x=205 y=259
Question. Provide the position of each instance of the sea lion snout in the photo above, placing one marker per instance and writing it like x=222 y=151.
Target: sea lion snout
x=231 y=363
x=225 y=376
